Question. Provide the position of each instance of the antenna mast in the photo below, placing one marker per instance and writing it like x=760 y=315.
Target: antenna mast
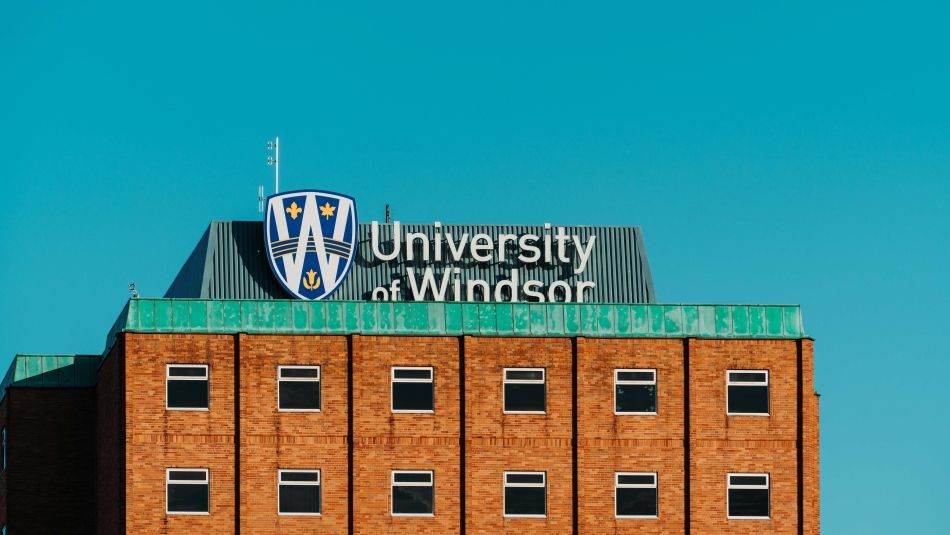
x=275 y=161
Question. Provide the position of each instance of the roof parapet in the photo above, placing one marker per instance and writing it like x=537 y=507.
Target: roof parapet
x=269 y=316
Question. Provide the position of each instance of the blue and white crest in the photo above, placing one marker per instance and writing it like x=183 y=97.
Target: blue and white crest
x=311 y=240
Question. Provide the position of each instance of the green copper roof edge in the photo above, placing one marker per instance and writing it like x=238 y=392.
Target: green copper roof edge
x=603 y=320
x=50 y=371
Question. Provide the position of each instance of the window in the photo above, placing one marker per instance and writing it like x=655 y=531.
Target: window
x=413 y=493
x=747 y=392
x=525 y=494
x=186 y=387
x=298 y=492
x=636 y=494
x=634 y=391
x=186 y=491
x=298 y=388
x=413 y=390
x=525 y=390
x=748 y=495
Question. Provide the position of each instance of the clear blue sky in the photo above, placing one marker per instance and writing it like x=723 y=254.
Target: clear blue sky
x=778 y=152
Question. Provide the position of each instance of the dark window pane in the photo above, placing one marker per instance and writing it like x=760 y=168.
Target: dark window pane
x=300 y=498
x=524 y=501
x=636 y=501
x=300 y=476
x=748 y=480
x=300 y=372
x=747 y=377
x=749 y=399
x=187 y=498
x=187 y=394
x=524 y=397
x=412 y=397
x=186 y=475
x=413 y=478
x=412 y=374
x=636 y=398
x=524 y=478
x=636 y=480
x=748 y=502
x=413 y=500
x=524 y=375
x=635 y=376
x=299 y=394
x=193 y=371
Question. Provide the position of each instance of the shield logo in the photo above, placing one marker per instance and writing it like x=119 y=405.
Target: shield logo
x=311 y=240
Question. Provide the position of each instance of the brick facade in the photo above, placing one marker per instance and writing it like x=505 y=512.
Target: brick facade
x=50 y=476
x=468 y=440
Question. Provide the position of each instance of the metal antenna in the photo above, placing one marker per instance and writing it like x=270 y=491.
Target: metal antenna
x=275 y=161
x=388 y=219
x=260 y=198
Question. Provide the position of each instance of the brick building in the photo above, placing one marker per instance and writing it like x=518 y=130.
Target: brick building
x=268 y=416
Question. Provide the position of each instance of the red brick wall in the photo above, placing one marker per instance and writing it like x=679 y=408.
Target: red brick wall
x=51 y=460
x=609 y=443
x=494 y=442
x=158 y=439
x=272 y=440
x=810 y=481
x=110 y=442
x=720 y=444
x=386 y=441
x=498 y=442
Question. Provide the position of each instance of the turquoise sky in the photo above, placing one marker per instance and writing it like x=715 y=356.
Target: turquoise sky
x=778 y=152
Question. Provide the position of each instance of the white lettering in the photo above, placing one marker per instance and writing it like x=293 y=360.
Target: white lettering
x=374 y=240
x=410 y=246
x=581 y=286
x=583 y=253
x=511 y=284
x=559 y=284
x=530 y=290
x=523 y=242
x=561 y=238
x=470 y=289
x=456 y=253
x=480 y=243
x=502 y=240
x=428 y=284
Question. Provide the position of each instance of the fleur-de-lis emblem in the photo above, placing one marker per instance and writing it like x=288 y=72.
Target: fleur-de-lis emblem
x=294 y=210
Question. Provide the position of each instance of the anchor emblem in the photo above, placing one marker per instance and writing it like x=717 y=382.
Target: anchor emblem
x=308 y=281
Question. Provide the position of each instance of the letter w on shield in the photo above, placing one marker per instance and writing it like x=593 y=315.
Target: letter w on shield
x=311 y=230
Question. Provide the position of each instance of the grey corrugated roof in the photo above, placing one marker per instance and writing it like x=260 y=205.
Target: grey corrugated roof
x=229 y=263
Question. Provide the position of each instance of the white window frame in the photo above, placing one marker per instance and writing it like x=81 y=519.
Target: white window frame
x=206 y=378
x=393 y=485
x=765 y=383
x=206 y=482
x=505 y=485
x=281 y=483
x=618 y=381
x=767 y=487
x=392 y=389
x=542 y=381
x=318 y=379
x=619 y=485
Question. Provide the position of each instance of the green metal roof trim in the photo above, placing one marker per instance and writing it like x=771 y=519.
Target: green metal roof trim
x=51 y=371
x=484 y=319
